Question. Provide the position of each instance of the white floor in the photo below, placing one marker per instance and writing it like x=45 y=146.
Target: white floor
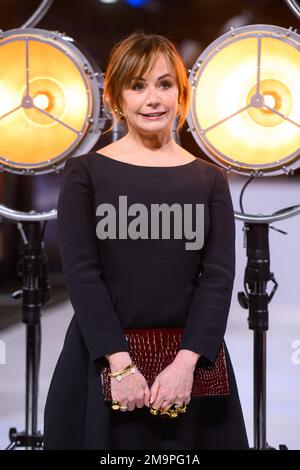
x=283 y=375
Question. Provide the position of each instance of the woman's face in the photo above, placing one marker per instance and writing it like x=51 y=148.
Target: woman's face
x=151 y=104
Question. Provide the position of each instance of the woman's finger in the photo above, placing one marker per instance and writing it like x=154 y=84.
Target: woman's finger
x=124 y=406
x=147 y=396
x=154 y=392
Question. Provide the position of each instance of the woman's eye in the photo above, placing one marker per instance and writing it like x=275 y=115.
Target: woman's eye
x=137 y=86
x=166 y=84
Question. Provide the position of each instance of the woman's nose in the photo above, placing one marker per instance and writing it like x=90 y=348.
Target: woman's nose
x=153 y=96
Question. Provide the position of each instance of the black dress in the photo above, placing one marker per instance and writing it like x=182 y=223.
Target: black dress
x=120 y=282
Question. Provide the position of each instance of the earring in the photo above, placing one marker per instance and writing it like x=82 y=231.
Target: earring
x=118 y=112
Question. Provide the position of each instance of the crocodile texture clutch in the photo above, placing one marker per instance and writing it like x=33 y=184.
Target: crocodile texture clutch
x=153 y=349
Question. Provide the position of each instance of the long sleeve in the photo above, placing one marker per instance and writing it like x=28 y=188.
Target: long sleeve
x=207 y=318
x=94 y=311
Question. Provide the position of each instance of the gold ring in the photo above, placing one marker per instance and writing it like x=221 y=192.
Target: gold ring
x=164 y=412
x=115 y=405
x=171 y=412
x=180 y=408
x=153 y=411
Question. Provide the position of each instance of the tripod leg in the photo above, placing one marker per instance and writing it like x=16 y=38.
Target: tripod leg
x=11 y=446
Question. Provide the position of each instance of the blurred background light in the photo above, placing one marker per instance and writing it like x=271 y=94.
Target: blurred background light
x=137 y=3
x=108 y=1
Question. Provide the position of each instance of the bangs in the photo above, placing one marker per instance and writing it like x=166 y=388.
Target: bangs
x=141 y=62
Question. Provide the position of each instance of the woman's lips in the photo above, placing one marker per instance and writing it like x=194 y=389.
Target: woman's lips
x=152 y=116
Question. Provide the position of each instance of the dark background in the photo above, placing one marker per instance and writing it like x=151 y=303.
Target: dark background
x=96 y=27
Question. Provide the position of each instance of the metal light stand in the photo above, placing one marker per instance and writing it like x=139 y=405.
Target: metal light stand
x=256 y=299
x=36 y=291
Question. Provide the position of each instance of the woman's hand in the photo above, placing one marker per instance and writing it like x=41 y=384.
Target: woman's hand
x=131 y=391
x=174 y=384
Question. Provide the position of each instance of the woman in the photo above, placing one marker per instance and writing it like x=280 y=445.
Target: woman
x=118 y=279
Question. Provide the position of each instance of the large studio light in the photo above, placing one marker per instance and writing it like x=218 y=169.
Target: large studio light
x=245 y=111
x=50 y=100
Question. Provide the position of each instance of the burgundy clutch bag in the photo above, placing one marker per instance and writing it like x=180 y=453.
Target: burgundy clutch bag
x=153 y=349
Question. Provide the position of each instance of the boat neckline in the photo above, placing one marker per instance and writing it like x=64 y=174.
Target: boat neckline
x=145 y=166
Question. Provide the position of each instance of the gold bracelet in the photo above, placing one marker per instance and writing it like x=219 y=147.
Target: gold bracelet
x=121 y=371
x=120 y=377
